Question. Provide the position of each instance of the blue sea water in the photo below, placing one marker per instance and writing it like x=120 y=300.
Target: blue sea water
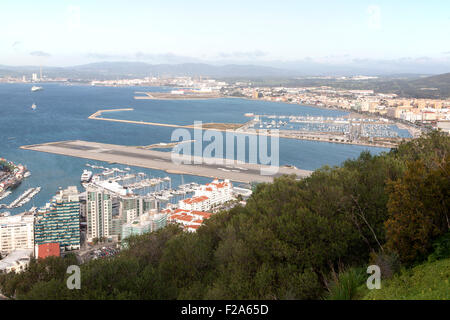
x=62 y=114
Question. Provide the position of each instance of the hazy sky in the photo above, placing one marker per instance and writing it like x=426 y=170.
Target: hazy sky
x=67 y=32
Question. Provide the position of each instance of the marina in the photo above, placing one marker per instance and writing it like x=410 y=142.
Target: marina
x=353 y=128
x=358 y=131
x=5 y=194
x=23 y=199
x=143 y=185
x=57 y=121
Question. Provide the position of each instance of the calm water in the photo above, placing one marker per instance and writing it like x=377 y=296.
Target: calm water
x=62 y=113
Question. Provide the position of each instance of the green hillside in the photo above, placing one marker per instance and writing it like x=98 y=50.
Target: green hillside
x=430 y=280
x=434 y=87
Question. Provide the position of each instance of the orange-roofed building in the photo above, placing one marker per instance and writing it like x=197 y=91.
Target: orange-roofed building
x=48 y=250
x=200 y=214
x=167 y=211
x=189 y=218
x=174 y=217
x=217 y=191
x=196 y=203
x=181 y=211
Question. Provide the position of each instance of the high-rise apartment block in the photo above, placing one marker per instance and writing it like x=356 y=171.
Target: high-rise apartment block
x=59 y=221
x=16 y=232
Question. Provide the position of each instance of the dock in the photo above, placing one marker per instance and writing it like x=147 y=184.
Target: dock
x=245 y=128
x=139 y=95
x=133 y=156
x=223 y=127
x=100 y=112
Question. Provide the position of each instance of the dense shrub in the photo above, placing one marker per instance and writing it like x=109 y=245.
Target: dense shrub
x=441 y=248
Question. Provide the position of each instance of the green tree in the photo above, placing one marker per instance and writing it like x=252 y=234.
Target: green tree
x=419 y=209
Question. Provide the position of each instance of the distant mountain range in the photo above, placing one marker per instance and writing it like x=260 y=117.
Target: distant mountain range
x=413 y=85
x=127 y=69
x=111 y=70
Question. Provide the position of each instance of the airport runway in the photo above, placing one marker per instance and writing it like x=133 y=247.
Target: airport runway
x=134 y=156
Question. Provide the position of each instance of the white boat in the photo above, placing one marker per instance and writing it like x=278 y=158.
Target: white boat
x=33 y=106
x=86 y=176
x=36 y=88
x=4 y=195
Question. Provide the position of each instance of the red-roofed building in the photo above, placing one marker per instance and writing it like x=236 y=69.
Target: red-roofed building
x=200 y=214
x=190 y=220
x=185 y=219
x=209 y=195
x=49 y=250
x=217 y=191
x=196 y=203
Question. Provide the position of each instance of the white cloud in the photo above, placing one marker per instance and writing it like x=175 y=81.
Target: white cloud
x=73 y=17
x=40 y=54
x=374 y=21
x=243 y=54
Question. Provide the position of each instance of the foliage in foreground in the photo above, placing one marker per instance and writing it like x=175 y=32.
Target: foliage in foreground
x=284 y=244
x=346 y=285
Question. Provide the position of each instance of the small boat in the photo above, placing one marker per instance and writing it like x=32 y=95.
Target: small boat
x=36 y=88
x=33 y=106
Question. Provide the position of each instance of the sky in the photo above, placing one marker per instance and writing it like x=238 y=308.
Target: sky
x=71 y=32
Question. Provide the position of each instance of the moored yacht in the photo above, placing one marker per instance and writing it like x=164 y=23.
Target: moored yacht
x=86 y=176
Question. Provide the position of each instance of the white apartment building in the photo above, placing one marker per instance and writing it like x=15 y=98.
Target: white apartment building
x=105 y=219
x=16 y=232
x=217 y=191
x=201 y=203
x=99 y=213
x=209 y=195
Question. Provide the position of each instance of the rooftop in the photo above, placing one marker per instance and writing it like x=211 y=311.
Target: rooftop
x=15 y=257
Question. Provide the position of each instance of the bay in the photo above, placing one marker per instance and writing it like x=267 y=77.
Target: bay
x=62 y=114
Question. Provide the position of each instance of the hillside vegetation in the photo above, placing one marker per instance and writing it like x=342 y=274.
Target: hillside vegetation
x=429 y=280
x=293 y=239
x=434 y=87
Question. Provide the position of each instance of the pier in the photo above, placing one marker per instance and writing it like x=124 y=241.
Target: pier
x=140 y=95
x=24 y=198
x=205 y=126
x=134 y=156
x=100 y=112
x=246 y=128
